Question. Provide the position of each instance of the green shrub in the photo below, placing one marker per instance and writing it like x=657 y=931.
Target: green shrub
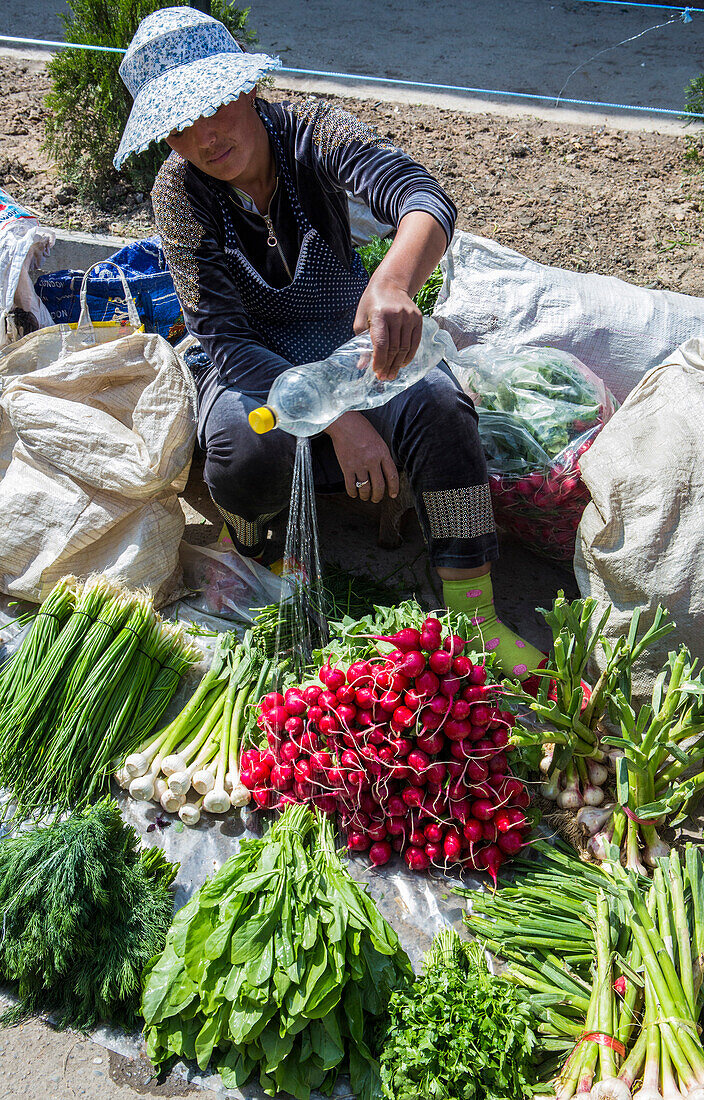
x=89 y=104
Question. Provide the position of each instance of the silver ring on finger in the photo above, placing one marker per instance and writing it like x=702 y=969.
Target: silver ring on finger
x=361 y=484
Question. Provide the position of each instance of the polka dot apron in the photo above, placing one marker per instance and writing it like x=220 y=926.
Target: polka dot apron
x=307 y=319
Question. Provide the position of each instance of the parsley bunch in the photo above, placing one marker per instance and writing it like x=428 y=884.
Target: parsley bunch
x=458 y=1033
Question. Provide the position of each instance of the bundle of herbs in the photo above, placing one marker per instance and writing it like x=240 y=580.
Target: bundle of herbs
x=611 y=967
x=458 y=1033
x=93 y=675
x=82 y=910
x=597 y=742
x=374 y=252
x=193 y=764
x=280 y=966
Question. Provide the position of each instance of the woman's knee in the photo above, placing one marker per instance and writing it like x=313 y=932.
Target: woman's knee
x=248 y=474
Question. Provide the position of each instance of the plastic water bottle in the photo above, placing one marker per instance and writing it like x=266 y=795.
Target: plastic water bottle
x=304 y=400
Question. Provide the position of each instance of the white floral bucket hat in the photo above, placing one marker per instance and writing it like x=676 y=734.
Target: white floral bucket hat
x=180 y=66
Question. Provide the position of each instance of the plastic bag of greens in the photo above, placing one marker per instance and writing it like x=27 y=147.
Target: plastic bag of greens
x=539 y=410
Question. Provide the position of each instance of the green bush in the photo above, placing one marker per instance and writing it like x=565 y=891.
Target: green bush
x=89 y=104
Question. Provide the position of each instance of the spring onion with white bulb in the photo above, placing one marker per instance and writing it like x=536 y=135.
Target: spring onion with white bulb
x=642 y=774
x=193 y=764
x=92 y=676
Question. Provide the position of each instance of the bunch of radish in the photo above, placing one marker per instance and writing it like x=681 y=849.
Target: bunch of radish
x=543 y=509
x=410 y=749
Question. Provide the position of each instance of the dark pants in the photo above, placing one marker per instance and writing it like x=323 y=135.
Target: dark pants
x=431 y=432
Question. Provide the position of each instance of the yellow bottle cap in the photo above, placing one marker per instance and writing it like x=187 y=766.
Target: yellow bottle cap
x=262 y=420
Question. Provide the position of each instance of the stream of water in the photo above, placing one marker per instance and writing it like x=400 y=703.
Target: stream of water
x=302 y=625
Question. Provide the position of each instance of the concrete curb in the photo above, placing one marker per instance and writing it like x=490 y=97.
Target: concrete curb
x=78 y=251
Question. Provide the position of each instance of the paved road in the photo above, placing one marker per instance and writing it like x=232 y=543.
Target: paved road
x=515 y=45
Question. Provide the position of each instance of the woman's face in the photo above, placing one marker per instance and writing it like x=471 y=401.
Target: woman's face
x=230 y=145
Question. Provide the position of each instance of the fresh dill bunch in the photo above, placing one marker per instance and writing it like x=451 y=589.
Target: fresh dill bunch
x=83 y=910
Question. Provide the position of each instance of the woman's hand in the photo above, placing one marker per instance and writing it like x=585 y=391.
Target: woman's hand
x=363 y=457
x=394 y=322
x=387 y=308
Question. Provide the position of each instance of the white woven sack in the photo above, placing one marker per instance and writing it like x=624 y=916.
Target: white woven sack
x=641 y=539
x=96 y=438
x=620 y=331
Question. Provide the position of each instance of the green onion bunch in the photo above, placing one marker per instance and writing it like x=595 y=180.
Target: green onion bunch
x=93 y=675
x=611 y=966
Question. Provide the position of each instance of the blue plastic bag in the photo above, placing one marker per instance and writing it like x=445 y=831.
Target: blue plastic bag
x=147 y=277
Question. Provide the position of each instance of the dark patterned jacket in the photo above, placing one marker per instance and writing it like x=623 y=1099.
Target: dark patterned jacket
x=329 y=152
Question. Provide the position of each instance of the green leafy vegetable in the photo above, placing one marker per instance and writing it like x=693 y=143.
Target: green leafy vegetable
x=458 y=1032
x=280 y=965
x=373 y=253
x=82 y=911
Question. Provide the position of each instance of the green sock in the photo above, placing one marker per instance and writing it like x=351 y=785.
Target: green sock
x=475 y=598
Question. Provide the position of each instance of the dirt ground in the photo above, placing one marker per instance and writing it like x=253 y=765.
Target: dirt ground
x=590 y=199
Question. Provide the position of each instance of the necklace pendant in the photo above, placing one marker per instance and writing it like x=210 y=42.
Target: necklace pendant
x=272 y=241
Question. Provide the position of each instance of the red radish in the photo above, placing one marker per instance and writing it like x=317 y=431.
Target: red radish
x=453 y=644
x=315 y=713
x=321 y=760
x=401 y=746
x=294 y=726
x=309 y=742
x=435 y=774
x=326 y=802
x=457 y=731
x=375 y=736
x=357 y=842
x=461 y=810
x=413 y=700
x=345 y=694
x=483 y=809
x=416 y=859
x=510 y=790
x=477 y=675
x=490 y=860
x=377 y=832
x=346 y=714
x=397 y=843
x=473 y=831
x=273 y=699
x=380 y=853
x=294 y=701
x=363 y=718
x=412 y=796
x=439 y=704
x=510 y=843
x=365 y=698
x=413 y=664
x=335 y=679
x=396 y=826
x=262 y=797
x=461 y=666
x=427 y=684
x=498 y=763
x=500 y=737
x=288 y=752
x=477 y=771
x=329 y=724
x=474 y=694
x=433 y=831
x=452 y=845
x=418 y=760
x=480 y=715
x=389 y=701
x=455 y=768
x=327 y=700
x=431 y=722
x=489 y=831
x=430 y=742
x=310 y=694
x=430 y=640
x=359 y=673
x=434 y=851
x=417 y=838
x=400 y=682
x=440 y=662
x=461 y=709
x=450 y=685
x=502 y=821
x=395 y=806
x=278 y=717
x=517 y=818
x=386 y=754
